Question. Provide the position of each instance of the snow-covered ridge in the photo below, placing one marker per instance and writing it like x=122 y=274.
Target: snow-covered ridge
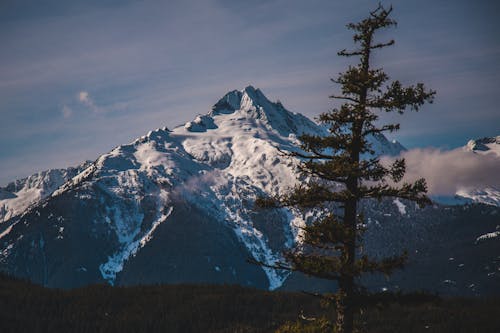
x=487 y=196
x=18 y=195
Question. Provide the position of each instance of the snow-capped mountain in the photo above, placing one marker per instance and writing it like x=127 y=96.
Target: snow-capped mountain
x=177 y=206
x=488 y=195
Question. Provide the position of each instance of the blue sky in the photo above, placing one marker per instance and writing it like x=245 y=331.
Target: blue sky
x=78 y=78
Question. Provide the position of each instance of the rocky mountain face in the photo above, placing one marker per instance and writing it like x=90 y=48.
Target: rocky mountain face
x=177 y=206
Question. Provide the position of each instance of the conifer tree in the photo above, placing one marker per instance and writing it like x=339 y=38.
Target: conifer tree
x=330 y=247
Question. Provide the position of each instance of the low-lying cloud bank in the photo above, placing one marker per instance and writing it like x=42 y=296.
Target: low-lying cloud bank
x=447 y=172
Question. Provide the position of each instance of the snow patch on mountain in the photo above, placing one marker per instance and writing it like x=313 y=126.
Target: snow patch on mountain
x=232 y=199
x=401 y=206
x=490 y=235
x=130 y=245
x=6 y=231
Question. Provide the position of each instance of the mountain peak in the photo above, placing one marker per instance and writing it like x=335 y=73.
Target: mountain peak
x=255 y=94
x=246 y=99
x=251 y=90
x=251 y=103
x=228 y=103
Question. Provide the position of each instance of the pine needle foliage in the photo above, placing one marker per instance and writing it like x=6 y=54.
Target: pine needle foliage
x=330 y=247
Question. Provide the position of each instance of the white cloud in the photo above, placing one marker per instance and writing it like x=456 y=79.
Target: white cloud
x=66 y=111
x=446 y=172
x=198 y=183
x=84 y=98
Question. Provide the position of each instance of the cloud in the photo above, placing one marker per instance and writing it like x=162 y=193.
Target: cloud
x=66 y=111
x=84 y=98
x=446 y=172
x=197 y=184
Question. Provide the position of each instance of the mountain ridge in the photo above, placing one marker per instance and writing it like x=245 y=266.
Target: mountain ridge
x=218 y=162
x=170 y=193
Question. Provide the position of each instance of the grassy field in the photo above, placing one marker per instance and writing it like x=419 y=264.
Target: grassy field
x=25 y=307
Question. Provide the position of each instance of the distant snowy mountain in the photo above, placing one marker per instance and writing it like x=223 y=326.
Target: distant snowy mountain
x=488 y=195
x=17 y=196
x=177 y=206
x=484 y=146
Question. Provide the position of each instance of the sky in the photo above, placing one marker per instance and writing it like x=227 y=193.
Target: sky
x=78 y=78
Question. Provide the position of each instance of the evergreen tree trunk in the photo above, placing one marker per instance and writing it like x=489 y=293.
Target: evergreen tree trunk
x=346 y=283
x=344 y=306
x=349 y=283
